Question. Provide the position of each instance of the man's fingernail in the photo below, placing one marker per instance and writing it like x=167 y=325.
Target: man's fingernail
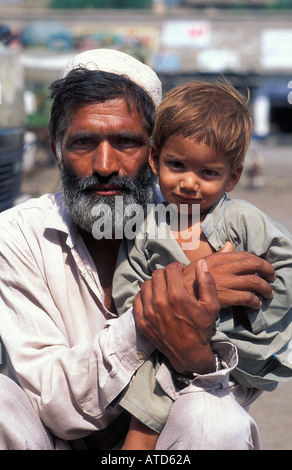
x=204 y=266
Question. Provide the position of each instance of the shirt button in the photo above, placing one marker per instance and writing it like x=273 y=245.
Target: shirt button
x=141 y=355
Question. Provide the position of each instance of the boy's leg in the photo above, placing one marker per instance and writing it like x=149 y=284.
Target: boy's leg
x=21 y=428
x=139 y=437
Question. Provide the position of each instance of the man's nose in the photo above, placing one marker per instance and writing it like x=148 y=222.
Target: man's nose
x=105 y=160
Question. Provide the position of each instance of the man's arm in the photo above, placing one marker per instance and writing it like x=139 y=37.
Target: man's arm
x=240 y=277
x=179 y=325
x=70 y=362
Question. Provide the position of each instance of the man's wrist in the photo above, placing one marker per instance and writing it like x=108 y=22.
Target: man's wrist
x=184 y=380
x=217 y=363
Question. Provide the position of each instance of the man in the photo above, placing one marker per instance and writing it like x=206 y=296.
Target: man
x=69 y=352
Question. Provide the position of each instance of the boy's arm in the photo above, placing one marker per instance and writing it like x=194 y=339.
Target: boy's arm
x=131 y=271
x=263 y=335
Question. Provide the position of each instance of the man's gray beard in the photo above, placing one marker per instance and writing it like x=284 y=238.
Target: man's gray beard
x=81 y=203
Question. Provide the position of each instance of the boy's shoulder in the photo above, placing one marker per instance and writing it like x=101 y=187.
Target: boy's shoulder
x=241 y=208
x=241 y=213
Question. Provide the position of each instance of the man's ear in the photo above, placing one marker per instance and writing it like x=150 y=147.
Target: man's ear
x=154 y=159
x=54 y=152
x=234 y=178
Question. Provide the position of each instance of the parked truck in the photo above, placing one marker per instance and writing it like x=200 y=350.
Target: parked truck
x=12 y=126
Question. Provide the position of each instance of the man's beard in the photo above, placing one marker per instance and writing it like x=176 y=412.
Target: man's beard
x=82 y=205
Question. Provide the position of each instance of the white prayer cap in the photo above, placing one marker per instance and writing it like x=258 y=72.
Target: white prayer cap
x=120 y=63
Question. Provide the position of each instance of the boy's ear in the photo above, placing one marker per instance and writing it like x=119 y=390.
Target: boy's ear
x=234 y=178
x=154 y=159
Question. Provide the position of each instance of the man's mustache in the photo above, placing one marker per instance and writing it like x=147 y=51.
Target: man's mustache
x=124 y=182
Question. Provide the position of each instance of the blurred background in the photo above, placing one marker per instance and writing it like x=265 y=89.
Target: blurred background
x=247 y=41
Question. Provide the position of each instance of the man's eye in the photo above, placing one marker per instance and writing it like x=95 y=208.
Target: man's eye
x=125 y=142
x=83 y=142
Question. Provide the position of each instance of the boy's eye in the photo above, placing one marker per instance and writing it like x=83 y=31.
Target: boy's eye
x=175 y=164
x=210 y=172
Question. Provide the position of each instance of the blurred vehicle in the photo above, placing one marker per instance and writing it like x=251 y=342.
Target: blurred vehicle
x=12 y=126
x=46 y=34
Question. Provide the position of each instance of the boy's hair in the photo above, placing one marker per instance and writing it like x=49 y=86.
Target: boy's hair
x=215 y=114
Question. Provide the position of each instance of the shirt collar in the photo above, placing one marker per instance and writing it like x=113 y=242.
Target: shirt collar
x=59 y=219
x=213 y=217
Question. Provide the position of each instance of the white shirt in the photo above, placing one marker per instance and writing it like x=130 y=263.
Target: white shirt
x=70 y=354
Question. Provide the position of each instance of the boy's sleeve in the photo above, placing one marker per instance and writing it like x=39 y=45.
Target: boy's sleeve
x=153 y=248
x=131 y=271
x=263 y=337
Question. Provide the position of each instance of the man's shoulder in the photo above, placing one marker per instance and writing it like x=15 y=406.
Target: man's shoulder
x=33 y=210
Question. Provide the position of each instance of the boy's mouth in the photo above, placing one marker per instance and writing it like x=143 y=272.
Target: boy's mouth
x=184 y=199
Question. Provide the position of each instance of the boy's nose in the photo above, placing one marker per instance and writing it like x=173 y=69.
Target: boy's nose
x=105 y=160
x=189 y=183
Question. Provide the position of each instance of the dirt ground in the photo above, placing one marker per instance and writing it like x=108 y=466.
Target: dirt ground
x=273 y=410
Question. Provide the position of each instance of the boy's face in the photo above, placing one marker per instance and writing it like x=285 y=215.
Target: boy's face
x=192 y=173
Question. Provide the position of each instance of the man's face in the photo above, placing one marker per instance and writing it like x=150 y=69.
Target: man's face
x=104 y=154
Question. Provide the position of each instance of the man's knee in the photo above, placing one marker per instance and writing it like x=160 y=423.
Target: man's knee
x=21 y=428
x=202 y=420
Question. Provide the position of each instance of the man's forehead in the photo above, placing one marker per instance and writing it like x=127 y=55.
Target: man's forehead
x=114 y=107
x=115 y=114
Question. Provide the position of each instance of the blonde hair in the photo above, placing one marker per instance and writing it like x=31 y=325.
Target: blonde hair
x=215 y=114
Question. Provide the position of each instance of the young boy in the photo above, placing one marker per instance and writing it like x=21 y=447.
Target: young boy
x=200 y=139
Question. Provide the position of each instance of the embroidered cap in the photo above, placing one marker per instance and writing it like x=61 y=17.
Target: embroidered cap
x=120 y=63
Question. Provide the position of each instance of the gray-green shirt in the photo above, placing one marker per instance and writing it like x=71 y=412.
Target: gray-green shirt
x=264 y=342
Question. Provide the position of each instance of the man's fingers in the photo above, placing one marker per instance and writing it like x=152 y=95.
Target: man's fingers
x=144 y=297
x=253 y=264
x=207 y=293
x=239 y=264
x=243 y=299
x=252 y=283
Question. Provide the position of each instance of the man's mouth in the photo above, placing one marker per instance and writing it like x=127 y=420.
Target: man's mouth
x=106 y=190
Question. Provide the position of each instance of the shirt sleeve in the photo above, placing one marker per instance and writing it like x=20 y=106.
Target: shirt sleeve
x=152 y=249
x=131 y=271
x=71 y=384
x=263 y=338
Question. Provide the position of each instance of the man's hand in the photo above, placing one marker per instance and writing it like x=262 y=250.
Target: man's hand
x=240 y=277
x=174 y=321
